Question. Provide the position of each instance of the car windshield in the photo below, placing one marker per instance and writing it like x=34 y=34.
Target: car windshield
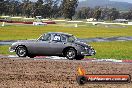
x=71 y=38
x=45 y=37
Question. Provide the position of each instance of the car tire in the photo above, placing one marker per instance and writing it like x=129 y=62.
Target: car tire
x=70 y=53
x=79 y=57
x=21 y=51
x=81 y=80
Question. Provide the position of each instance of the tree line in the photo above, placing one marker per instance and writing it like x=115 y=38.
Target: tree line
x=44 y=8
x=59 y=8
x=103 y=13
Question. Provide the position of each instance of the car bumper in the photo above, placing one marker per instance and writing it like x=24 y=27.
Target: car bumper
x=11 y=50
x=88 y=52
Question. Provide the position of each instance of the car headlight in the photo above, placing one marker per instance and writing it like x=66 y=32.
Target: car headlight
x=86 y=48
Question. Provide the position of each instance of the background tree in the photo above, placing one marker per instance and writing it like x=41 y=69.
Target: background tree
x=13 y=8
x=113 y=14
x=1 y=6
x=46 y=8
x=129 y=14
x=79 y=14
x=68 y=8
x=38 y=10
x=59 y=8
x=4 y=7
x=55 y=11
x=97 y=13
x=85 y=12
x=104 y=13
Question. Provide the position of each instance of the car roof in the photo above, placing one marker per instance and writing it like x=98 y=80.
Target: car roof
x=62 y=33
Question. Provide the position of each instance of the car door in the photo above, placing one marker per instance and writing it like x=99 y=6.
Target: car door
x=57 y=45
x=42 y=47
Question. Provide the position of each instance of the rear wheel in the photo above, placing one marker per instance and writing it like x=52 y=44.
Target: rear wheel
x=21 y=51
x=70 y=53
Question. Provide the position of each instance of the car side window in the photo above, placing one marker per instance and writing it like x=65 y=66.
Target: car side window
x=63 y=39
x=47 y=37
x=71 y=39
x=57 y=38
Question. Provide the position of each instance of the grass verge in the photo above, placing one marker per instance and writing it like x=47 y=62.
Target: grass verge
x=15 y=32
x=114 y=50
x=4 y=50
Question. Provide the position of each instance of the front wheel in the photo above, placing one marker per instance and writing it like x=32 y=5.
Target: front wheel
x=21 y=51
x=70 y=54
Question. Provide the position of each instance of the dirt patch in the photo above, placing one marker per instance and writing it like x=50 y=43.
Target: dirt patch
x=56 y=73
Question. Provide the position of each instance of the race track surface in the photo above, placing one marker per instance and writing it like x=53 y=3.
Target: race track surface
x=55 y=73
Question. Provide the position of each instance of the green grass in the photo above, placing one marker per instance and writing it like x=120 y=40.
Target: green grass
x=105 y=50
x=5 y=50
x=15 y=32
x=114 y=50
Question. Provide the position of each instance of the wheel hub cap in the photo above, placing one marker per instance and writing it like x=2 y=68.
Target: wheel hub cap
x=21 y=52
x=71 y=54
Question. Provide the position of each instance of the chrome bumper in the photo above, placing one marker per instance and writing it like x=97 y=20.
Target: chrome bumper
x=11 y=50
x=88 y=52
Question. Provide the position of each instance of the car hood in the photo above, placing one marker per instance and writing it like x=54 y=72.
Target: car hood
x=81 y=43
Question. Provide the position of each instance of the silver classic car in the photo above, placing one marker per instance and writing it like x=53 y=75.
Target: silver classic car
x=53 y=44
